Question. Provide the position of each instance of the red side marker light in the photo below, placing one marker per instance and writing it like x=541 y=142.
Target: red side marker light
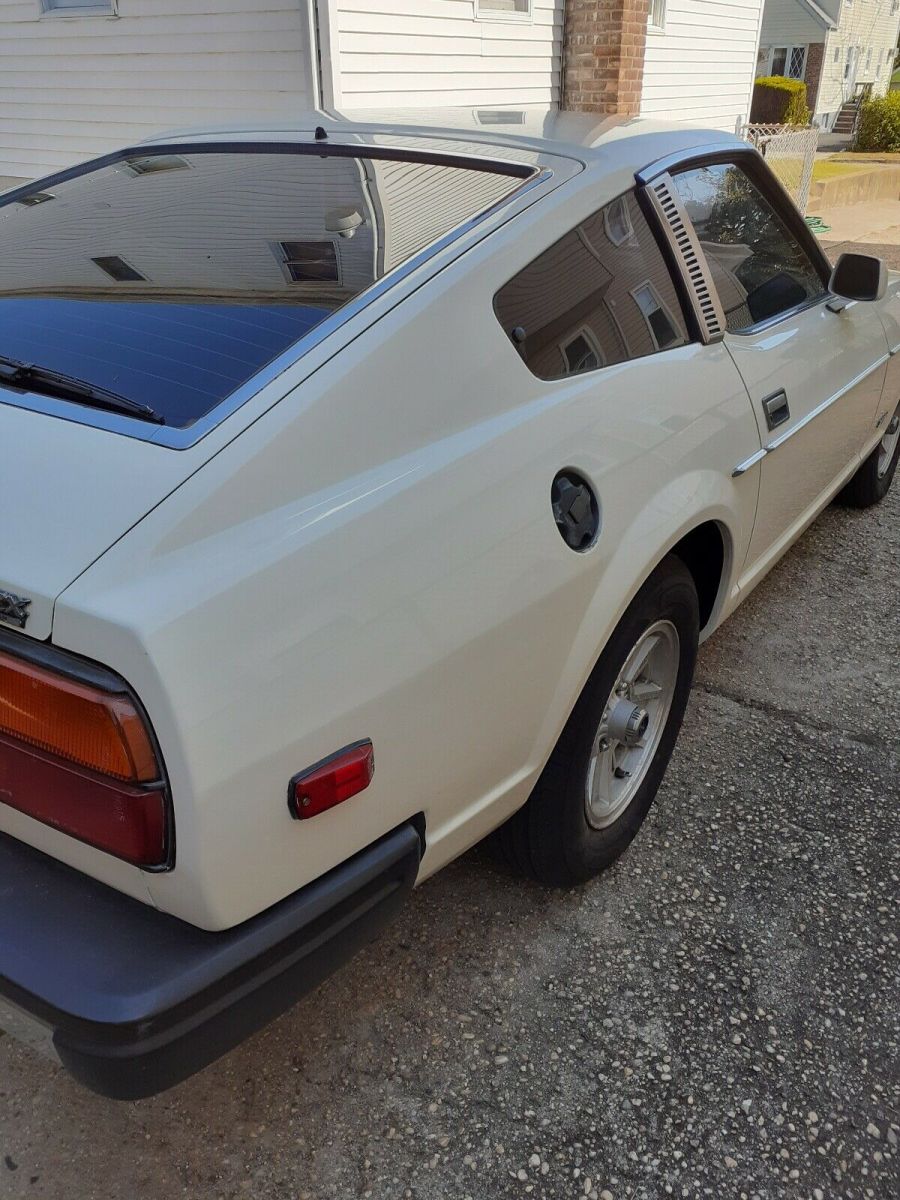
x=332 y=781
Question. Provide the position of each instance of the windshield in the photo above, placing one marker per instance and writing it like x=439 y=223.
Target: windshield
x=171 y=276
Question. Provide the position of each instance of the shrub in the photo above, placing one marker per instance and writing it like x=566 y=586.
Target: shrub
x=778 y=100
x=879 y=123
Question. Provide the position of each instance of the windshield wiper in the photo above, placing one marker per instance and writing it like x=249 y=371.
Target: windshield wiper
x=48 y=382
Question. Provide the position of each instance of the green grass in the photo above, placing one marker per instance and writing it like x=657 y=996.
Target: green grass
x=789 y=170
x=861 y=157
x=826 y=168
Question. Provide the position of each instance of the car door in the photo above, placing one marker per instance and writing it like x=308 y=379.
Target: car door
x=814 y=376
x=889 y=314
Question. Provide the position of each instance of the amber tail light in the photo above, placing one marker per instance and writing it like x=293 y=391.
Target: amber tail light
x=77 y=755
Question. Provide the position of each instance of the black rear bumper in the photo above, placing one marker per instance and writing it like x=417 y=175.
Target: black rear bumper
x=137 y=1000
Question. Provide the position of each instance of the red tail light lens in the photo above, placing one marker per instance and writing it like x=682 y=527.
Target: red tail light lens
x=81 y=759
x=332 y=781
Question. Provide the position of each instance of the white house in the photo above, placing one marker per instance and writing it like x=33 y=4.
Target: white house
x=843 y=49
x=700 y=60
x=79 y=77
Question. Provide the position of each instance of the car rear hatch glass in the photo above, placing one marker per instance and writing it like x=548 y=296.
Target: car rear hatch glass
x=159 y=282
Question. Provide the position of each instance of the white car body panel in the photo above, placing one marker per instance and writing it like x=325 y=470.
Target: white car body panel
x=349 y=594
x=69 y=491
x=889 y=311
x=833 y=388
x=365 y=549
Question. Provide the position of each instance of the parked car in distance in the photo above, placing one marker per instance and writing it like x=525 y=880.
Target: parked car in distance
x=368 y=491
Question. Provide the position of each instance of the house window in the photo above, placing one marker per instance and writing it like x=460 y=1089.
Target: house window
x=656 y=18
x=118 y=269
x=156 y=164
x=869 y=58
x=659 y=322
x=797 y=62
x=837 y=54
x=582 y=353
x=84 y=7
x=35 y=198
x=617 y=222
x=788 y=60
x=309 y=262
x=500 y=116
x=503 y=8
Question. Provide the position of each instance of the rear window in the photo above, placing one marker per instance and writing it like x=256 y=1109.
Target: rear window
x=171 y=277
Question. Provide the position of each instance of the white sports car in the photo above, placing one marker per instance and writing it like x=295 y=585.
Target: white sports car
x=367 y=489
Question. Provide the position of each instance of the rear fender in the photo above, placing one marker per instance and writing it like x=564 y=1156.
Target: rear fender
x=686 y=503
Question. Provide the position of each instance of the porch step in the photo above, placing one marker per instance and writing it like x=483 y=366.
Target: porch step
x=845 y=121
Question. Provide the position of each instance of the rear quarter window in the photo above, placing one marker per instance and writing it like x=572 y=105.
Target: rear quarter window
x=600 y=295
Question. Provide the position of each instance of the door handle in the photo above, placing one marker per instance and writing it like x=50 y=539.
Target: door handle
x=777 y=409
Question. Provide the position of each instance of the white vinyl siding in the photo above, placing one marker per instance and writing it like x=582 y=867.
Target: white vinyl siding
x=701 y=68
x=408 y=223
x=864 y=25
x=55 y=253
x=790 y=23
x=435 y=53
x=75 y=85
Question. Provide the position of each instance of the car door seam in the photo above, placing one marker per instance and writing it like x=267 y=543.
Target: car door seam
x=743 y=467
x=825 y=405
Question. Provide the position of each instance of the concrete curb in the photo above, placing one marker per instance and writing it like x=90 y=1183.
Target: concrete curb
x=869 y=183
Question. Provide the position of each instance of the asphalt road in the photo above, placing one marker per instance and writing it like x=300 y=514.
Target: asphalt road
x=719 y=1015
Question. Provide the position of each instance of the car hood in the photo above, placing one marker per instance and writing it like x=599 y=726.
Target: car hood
x=67 y=492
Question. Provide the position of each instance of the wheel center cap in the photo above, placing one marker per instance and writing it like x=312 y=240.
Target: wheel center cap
x=628 y=722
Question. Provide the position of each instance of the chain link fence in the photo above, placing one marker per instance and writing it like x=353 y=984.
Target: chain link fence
x=790 y=152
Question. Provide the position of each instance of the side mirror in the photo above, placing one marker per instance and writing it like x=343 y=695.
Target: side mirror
x=859 y=277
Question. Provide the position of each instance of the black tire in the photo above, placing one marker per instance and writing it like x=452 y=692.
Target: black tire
x=550 y=838
x=868 y=487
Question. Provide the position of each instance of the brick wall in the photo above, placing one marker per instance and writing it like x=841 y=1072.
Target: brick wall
x=815 y=52
x=603 y=57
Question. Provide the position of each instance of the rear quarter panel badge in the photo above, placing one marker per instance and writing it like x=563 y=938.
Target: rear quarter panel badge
x=14 y=609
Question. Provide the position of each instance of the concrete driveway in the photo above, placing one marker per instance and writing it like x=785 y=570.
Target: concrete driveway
x=719 y=1015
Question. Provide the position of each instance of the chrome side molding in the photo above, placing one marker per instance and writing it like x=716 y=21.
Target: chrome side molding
x=825 y=405
x=743 y=467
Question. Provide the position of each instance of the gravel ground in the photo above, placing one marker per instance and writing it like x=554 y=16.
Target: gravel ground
x=718 y=1015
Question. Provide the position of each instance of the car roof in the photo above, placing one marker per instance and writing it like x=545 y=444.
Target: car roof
x=529 y=133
